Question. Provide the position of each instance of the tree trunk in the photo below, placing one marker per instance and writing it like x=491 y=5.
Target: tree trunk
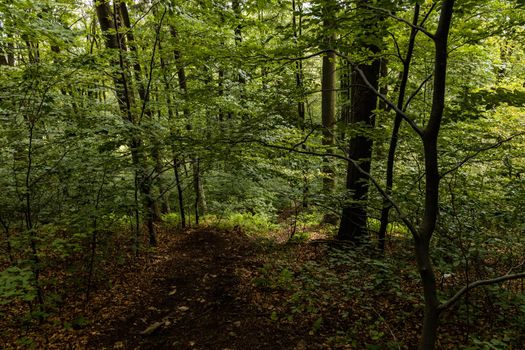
x=107 y=21
x=363 y=102
x=179 y=192
x=395 y=132
x=428 y=279
x=328 y=100
x=299 y=82
x=181 y=74
x=430 y=137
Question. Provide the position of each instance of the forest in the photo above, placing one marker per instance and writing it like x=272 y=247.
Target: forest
x=262 y=174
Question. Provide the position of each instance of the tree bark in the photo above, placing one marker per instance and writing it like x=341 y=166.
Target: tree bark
x=328 y=100
x=430 y=137
x=108 y=25
x=395 y=131
x=363 y=102
x=181 y=74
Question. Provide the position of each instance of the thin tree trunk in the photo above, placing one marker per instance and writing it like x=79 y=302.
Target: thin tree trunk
x=430 y=137
x=328 y=100
x=299 y=77
x=5 y=226
x=395 y=131
x=383 y=89
x=28 y=214
x=181 y=74
x=94 y=240
x=179 y=192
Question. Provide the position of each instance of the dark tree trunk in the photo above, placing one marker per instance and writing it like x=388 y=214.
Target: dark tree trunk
x=428 y=224
x=328 y=87
x=122 y=79
x=297 y=31
x=395 y=132
x=179 y=192
x=181 y=74
x=363 y=103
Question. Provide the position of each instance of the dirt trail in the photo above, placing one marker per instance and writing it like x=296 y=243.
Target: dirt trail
x=199 y=298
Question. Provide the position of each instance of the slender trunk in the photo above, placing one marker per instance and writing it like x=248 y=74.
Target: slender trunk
x=428 y=279
x=200 y=201
x=163 y=192
x=299 y=77
x=220 y=92
x=28 y=214
x=181 y=74
x=144 y=97
x=395 y=132
x=297 y=31
x=383 y=89
x=328 y=100
x=94 y=239
x=136 y=212
x=430 y=137
x=236 y=7
x=179 y=192
x=5 y=226
x=196 y=184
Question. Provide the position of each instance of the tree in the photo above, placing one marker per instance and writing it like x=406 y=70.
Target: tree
x=353 y=225
x=108 y=20
x=329 y=93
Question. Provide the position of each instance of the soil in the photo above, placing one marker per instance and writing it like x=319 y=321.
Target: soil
x=199 y=295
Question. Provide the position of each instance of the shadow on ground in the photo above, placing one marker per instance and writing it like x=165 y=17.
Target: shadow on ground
x=197 y=299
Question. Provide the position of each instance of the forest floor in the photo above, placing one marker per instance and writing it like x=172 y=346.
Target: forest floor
x=198 y=295
x=194 y=291
x=209 y=288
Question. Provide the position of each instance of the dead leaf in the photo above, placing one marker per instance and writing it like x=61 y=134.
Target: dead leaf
x=152 y=328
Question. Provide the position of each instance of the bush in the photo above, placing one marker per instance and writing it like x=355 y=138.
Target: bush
x=251 y=223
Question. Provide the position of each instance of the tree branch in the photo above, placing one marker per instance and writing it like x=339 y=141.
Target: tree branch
x=414 y=94
x=472 y=285
x=389 y=13
x=475 y=154
x=391 y=104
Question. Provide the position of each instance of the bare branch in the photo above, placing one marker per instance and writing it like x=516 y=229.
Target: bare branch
x=399 y=55
x=389 y=13
x=427 y=14
x=391 y=104
x=414 y=94
x=475 y=154
x=472 y=285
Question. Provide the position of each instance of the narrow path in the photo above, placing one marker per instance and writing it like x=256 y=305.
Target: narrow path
x=198 y=299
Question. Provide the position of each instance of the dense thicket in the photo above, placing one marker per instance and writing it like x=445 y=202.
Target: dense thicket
x=392 y=118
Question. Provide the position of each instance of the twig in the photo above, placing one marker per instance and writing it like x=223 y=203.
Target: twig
x=414 y=94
